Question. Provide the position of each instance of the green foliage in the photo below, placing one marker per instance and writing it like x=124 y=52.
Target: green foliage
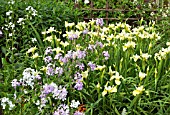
x=101 y=94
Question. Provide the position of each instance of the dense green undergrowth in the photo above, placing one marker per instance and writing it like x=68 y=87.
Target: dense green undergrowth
x=54 y=63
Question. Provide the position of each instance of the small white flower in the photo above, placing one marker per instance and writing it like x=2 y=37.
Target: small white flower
x=86 y=1
x=20 y=20
x=74 y=104
x=38 y=102
x=33 y=40
x=8 y=13
x=10 y=34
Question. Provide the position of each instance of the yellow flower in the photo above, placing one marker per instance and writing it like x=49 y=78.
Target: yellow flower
x=145 y=56
x=138 y=90
x=69 y=24
x=64 y=43
x=44 y=68
x=142 y=75
x=81 y=25
x=104 y=92
x=85 y=73
x=111 y=89
x=117 y=78
x=35 y=55
x=110 y=71
x=58 y=49
x=168 y=43
x=49 y=38
x=99 y=67
x=135 y=57
x=32 y=49
x=128 y=45
x=110 y=37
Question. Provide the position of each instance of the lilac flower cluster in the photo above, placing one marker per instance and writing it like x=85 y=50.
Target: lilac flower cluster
x=78 y=78
x=106 y=55
x=93 y=47
x=92 y=66
x=79 y=113
x=48 y=51
x=70 y=55
x=80 y=66
x=58 y=92
x=62 y=110
x=48 y=59
x=51 y=70
x=99 y=22
x=72 y=36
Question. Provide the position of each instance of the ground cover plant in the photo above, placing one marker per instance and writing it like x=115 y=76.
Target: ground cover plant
x=90 y=68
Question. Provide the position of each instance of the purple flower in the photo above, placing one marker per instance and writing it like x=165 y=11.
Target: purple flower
x=85 y=31
x=92 y=66
x=81 y=54
x=69 y=54
x=60 y=93
x=79 y=85
x=59 y=71
x=99 y=43
x=57 y=56
x=72 y=36
x=50 y=70
x=99 y=22
x=48 y=59
x=63 y=94
x=77 y=76
x=64 y=59
x=48 y=51
x=91 y=47
x=62 y=110
x=106 y=54
x=78 y=113
x=48 y=89
x=38 y=77
x=81 y=66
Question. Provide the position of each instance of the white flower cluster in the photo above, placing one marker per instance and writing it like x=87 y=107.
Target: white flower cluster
x=31 y=11
x=11 y=2
x=20 y=21
x=163 y=53
x=29 y=75
x=74 y=104
x=5 y=101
